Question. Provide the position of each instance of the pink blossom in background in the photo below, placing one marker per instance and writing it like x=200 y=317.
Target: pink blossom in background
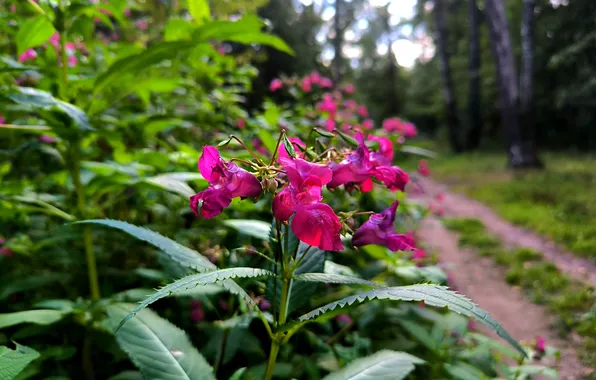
x=106 y=12
x=2 y=240
x=343 y=318
x=351 y=104
x=349 y=88
x=13 y=8
x=28 y=55
x=259 y=147
x=221 y=50
x=127 y=12
x=306 y=85
x=241 y=123
x=367 y=124
x=275 y=85
x=362 y=111
x=115 y=36
x=325 y=82
x=264 y=305
x=423 y=169
x=141 y=24
x=196 y=311
x=440 y=197
x=409 y=130
x=47 y=139
x=540 y=344
x=418 y=255
x=72 y=61
x=70 y=47
x=314 y=222
x=226 y=181
x=2 y=121
x=315 y=78
x=329 y=125
x=5 y=251
x=379 y=230
x=328 y=105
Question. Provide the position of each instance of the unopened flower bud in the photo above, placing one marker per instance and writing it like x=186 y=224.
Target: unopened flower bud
x=269 y=185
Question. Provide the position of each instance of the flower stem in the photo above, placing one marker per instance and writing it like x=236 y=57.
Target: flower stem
x=281 y=135
x=272 y=358
x=82 y=208
x=286 y=289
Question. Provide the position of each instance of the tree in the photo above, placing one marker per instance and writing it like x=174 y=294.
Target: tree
x=520 y=153
x=338 y=41
x=475 y=119
x=448 y=93
x=526 y=81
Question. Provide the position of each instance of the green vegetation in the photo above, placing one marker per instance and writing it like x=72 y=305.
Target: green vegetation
x=558 y=203
x=570 y=300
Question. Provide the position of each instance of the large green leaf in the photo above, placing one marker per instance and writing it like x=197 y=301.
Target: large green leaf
x=329 y=278
x=433 y=295
x=38 y=317
x=464 y=371
x=158 y=348
x=383 y=365
x=177 y=252
x=137 y=62
x=175 y=182
x=251 y=227
x=33 y=32
x=192 y=281
x=12 y=362
x=199 y=10
x=44 y=100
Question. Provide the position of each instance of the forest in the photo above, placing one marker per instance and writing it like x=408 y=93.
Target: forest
x=297 y=189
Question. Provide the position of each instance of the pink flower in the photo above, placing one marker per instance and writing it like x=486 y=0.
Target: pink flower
x=13 y=8
x=362 y=111
x=226 y=181
x=344 y=319
x=2 y=240
x=297 y=143
x=5 y=251
x=423 y=168
x=28 y=55
x=325 y=82
x=379 y=230
x=385 y=153
x=141 y=24
x=2 y=121
x=540 y=344
x=314 y=223
x=306 y=85
x=70 y=47
x=351 y=104
x=55 y=40
x=47 y=139
x=440 y=197
x=127 y=12
x=264 y=305
x=275 y=85
x=349 y=88
x=367 y=124
x=418 y=256
x=72 y=61
x=409 y=130
x=328 y=105
x=329 y=125
x=241 y=123
x=196 y=311
x=315 y=78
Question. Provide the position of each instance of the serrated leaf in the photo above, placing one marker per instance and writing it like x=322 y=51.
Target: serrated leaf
x=44 y=100
x=34 y=32
x=383 y=365
x=192 y=281
x=251 y=227
x=12 y=362
x=329 y=278
x=199 y=10
x=38 y=317
x=158 y=348
x=289 y=146
x=433 y=295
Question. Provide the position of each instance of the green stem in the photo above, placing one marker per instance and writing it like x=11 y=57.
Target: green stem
x=64 y=71
x=82 y=207
x=272 y=358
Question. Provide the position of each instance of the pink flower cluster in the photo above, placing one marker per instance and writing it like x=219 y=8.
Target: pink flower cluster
x=300 y=200
x=4 y=251
x=397 y=125
x=306 y=83
x=54 y=40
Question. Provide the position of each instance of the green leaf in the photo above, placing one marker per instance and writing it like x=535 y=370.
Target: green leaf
x=192 y=281
x=464 y=371
x=34 y=32
x=12 y=362
x=418 y=151
x=171 y=183
x=324 y=133
x=199 y=10
x=158 y=348
x=267 y=140
x=254 y=228
x=533 y=370
x=137 y=62
x=238 y=374
x=44 y=100
x=329 y=278
x=349 y=139
x=289 y=146
x=383 y=365
x=433 y=295
x=177 y=29
x=177 y=252
x=38 y=317
x=23 y=284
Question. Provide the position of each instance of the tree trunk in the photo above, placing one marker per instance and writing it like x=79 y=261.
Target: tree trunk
x=475 y=129
x=520 y=154
x=527 y=81
x=448 y=93
x=393 y=67
x=337 y=42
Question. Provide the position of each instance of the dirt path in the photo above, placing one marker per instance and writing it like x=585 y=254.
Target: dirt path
x=459 y=206
x=484 y=282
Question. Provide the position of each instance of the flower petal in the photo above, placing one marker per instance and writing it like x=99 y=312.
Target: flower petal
x=211 y=202
x=317 y=225
x=209 y=160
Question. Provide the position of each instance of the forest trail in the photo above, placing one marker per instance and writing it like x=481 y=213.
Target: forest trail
x=484 y=282
x=459 y=206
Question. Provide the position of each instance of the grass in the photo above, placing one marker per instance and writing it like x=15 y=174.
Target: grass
x=573 y=302
x=559 y=203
